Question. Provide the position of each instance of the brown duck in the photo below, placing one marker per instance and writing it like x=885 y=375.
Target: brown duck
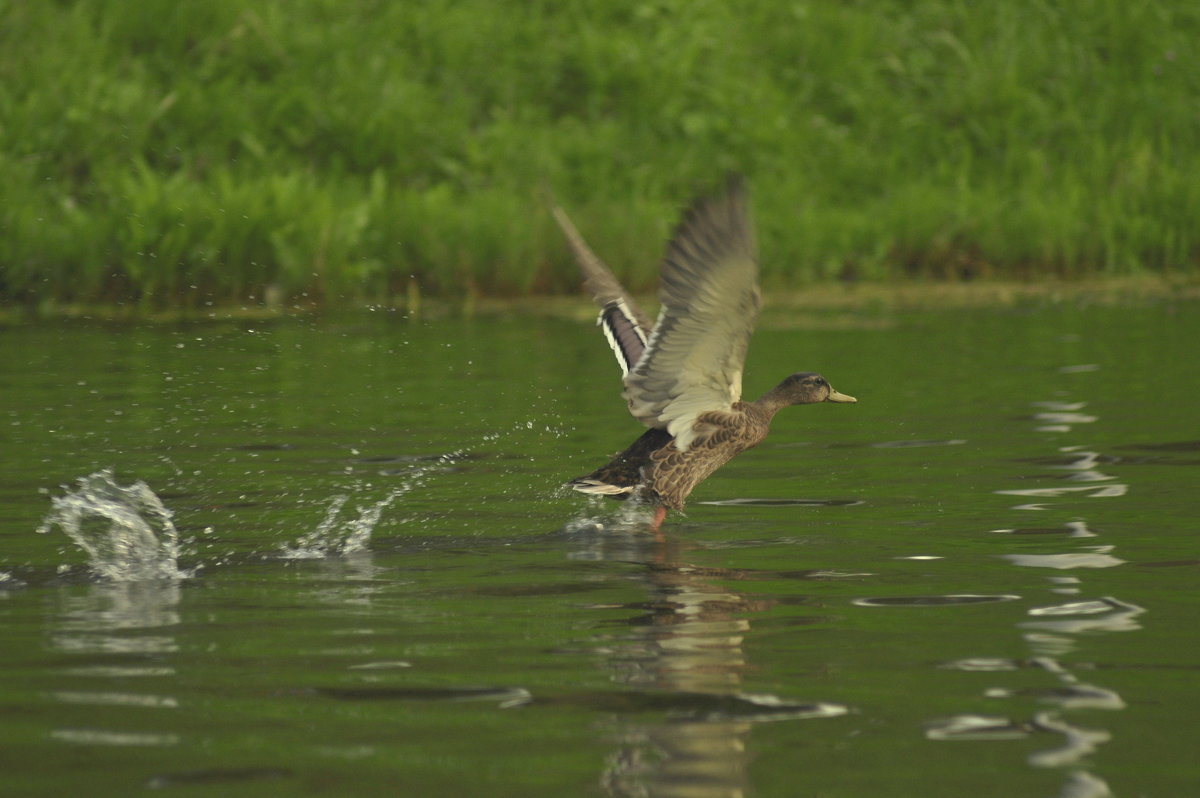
x=683 y=375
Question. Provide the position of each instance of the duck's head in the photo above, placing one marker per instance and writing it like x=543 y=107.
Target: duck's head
x=806 y=388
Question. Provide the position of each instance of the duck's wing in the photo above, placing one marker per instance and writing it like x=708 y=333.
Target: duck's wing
x=710 y=299
x=625 y=326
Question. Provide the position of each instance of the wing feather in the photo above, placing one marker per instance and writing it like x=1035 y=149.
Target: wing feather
x=710 y=299
x=625 y=327
x=598 y=279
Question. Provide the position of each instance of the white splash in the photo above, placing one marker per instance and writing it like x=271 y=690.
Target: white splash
x=126 y=531
x=335 y=536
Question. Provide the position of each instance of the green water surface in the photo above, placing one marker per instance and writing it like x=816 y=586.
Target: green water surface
x=978 y=581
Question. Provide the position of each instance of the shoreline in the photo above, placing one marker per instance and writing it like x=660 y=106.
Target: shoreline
x=865 y=297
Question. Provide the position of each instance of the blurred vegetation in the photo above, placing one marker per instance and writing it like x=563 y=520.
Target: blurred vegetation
x=179 y=153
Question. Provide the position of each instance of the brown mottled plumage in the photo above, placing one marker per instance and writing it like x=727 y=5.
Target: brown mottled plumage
x=683 y=376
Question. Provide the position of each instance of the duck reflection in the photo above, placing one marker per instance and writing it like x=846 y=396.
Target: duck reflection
x=688 y=643
x=689 y=640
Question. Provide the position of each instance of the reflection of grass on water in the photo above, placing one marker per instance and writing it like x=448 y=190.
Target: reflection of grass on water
x=176 y=154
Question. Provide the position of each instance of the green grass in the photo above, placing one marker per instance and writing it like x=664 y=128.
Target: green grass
x=179 y=153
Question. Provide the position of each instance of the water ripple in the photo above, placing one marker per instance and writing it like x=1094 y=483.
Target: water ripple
x=1072 y=529
x=1072 y=696
x=1081 y=784
x=104 y=737
x=1099 y=558
x=1078 y=742
x=1104 y=615
x=931 y=601
x=785 y=502
x=1106 y=491
x=506 y=696
x=380 y=666
x=116 y=699
x=976 y=727
x=196 y=778
x=118 y=671
x=983 y=664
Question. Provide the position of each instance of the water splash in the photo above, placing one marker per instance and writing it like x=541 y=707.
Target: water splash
x=126 y=531
x=337 y=536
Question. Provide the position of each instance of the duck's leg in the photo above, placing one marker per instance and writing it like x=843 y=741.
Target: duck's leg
x=660 y=512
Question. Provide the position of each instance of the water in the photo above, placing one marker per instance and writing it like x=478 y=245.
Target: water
x=333 y=558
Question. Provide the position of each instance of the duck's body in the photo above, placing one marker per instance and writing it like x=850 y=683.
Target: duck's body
x=655 y=470
x=682 y=376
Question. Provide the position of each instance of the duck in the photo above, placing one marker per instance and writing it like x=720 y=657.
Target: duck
x=682 y=375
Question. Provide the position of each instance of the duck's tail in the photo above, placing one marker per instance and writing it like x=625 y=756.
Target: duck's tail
x=597 y=487
x=625 y=474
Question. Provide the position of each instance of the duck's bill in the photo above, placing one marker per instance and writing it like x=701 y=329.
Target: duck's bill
x=834 y=396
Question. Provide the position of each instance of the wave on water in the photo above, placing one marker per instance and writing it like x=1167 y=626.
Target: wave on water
x=126 y=531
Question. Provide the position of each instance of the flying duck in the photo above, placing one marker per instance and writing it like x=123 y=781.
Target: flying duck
x=683 y=375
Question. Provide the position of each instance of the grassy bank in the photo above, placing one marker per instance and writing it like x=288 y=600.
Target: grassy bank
x=168 y=153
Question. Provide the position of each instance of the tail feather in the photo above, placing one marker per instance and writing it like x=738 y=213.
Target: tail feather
x=597 y=488
x=625 y=476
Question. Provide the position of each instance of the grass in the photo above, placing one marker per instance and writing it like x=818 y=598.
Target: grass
x=169 y=154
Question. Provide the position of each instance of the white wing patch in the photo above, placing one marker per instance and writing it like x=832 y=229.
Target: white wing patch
x=624 y=336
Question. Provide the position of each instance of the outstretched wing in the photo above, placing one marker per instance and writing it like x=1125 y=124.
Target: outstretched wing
x=625 y=326
x=710 y=299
